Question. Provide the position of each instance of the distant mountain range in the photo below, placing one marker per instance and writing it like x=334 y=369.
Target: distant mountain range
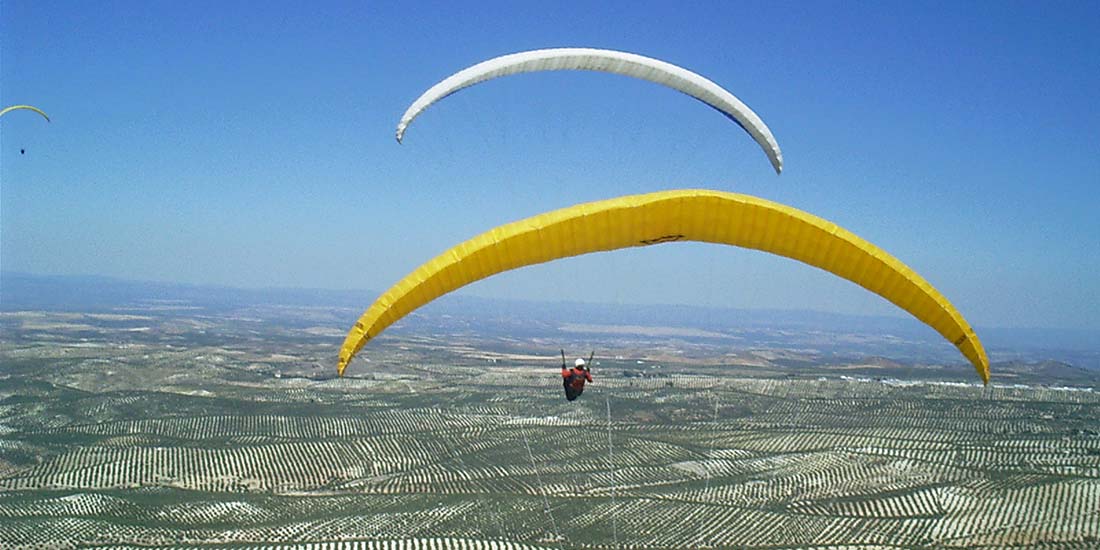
x=22 y=291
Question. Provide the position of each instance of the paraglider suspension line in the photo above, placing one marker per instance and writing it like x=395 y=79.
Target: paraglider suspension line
x=542 y=489
x=706 y=470
x=611 y=466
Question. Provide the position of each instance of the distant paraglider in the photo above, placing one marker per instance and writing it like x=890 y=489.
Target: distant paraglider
x=7 y=110
x=670 y=216
x=608 y=61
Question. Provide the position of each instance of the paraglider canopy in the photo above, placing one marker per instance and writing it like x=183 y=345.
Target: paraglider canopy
x=7 y=110
x=607 y=61
x=665 y=217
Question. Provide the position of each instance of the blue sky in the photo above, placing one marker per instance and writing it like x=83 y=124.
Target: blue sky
x=233 y=144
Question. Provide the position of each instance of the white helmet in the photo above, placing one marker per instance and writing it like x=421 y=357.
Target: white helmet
x=578 y=363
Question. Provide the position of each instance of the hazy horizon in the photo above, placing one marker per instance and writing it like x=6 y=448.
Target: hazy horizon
x=22 y=291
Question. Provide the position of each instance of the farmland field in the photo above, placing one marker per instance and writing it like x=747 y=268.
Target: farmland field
x=167 y=428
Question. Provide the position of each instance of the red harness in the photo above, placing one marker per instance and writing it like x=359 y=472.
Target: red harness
x=576 y=376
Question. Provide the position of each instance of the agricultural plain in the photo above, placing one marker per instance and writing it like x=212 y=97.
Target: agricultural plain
x=166 y=425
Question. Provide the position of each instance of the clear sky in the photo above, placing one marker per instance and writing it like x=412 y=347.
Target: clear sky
x=251 y=144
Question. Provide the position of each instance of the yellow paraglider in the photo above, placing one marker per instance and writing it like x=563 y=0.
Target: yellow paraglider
x=6 y=110
x=668 y=216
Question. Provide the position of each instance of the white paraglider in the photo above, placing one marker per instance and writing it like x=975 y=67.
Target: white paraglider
x=608 y=61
